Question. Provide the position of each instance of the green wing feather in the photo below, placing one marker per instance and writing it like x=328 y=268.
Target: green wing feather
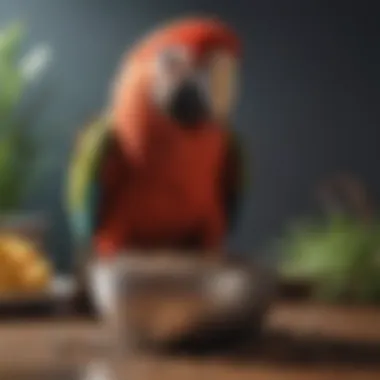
x=82 y=186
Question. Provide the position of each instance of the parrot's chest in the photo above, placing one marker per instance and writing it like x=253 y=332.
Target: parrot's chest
x=179 y=186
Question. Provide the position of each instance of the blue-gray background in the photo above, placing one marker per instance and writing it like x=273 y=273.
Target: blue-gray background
x=309 y=104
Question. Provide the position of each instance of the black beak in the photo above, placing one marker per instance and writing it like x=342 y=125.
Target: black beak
x=188 y=105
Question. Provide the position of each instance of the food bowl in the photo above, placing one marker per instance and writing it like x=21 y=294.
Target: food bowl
x=166 y=300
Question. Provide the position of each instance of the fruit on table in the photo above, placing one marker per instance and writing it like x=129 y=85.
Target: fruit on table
x=23 y=268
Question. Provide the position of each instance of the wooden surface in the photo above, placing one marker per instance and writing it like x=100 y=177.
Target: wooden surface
x=302 y=341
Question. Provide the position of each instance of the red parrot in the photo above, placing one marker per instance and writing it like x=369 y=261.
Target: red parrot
x=163 y=169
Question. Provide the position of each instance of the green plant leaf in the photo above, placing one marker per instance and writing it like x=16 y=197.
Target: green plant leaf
x=18 y=150
x=10 y=187
x=11 y=89
x=340 y=255
x=10 y=41
x=10 y=75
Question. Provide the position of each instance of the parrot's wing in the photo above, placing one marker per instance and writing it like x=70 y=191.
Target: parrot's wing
x=234 y=179
x=82 y=182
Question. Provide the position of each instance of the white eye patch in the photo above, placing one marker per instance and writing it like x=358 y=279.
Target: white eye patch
x=171 y=67
x=173 y=62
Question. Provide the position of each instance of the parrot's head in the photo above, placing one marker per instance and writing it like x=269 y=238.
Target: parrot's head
x=186 y=72
x=194 y=69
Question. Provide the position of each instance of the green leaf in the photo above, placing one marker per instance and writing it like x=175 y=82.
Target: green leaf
x=10 y=75
x=10 y=188
x=341 y=256
x=11 y=89
x=10 y=41
x=19 y=167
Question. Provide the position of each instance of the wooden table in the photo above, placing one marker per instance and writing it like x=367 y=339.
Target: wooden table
x=302 y=342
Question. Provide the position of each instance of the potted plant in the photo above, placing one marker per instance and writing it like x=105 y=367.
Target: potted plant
x=19 y=151
x=337 y=256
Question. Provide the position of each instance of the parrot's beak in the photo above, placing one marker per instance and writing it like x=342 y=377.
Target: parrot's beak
x=196 y=99
x=188 y=104
x=192 y=95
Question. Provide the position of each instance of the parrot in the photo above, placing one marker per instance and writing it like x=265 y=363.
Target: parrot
x=161 y=167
